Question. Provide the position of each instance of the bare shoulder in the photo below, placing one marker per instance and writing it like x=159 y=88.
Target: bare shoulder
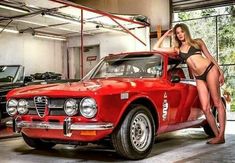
x=199 y=41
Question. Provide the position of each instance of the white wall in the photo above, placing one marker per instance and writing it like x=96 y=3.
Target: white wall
x=115 y=42
x=36 y=54
x=41 y=55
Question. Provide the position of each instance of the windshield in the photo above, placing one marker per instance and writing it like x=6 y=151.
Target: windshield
x=134 y=66
x=8 y=73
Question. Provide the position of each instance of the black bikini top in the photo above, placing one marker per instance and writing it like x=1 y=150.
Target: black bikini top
x=192 y=51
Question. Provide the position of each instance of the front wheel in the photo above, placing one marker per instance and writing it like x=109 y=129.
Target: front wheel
x=37 y=143
x=134 y=138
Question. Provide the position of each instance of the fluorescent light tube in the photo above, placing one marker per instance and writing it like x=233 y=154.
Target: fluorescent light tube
x=13 y=9
x=50 y=37
x=62 y=19
x=9 y=30
x=30 y=22
x=47 y=16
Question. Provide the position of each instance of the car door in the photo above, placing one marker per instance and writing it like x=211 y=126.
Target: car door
x=176 y=97
x=182 y=95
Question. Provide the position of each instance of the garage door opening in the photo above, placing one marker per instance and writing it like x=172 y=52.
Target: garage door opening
x=89 y=59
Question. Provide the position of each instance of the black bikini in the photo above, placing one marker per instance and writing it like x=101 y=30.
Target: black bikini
x=194 y=51
x=203 y=76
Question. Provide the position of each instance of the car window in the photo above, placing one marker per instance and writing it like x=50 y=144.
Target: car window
x=20 y=76
x=183 y=68
x=108 y=70
x=131 y=66
x=186 y=72
x=8 y=73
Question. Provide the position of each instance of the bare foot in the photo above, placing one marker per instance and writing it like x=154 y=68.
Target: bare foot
x=216 y=140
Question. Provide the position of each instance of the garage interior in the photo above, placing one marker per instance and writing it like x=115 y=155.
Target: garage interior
x=70 y=38
x=55 y=28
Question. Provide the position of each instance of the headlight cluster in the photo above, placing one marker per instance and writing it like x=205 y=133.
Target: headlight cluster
x=14 y=106
x=71 y=107
x=87 y=107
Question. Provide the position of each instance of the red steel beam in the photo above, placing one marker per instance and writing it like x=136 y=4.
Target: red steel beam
x=112 y=17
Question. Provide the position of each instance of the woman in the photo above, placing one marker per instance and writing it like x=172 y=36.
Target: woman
x=205 y=69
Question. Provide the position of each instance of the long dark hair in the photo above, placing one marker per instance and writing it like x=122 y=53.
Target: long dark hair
x=188 y=38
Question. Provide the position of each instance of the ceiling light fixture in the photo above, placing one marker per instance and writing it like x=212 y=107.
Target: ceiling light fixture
x=46 y=15
x=50 y=37
x=9 y=30
x=37 y=35
x=30 y=22
x=45 y=25
x=13 y=9
x=62 y=19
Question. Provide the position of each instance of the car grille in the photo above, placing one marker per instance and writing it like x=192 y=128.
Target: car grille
x=53 y=107
x=41 y=105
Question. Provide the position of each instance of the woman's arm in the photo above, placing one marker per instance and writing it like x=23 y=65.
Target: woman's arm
x=209 y=56
x=169 y=50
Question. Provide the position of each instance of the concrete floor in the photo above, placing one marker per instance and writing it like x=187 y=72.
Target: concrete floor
x=187 y=145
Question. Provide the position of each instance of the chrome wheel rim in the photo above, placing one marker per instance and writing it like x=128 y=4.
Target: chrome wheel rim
x=141 y=132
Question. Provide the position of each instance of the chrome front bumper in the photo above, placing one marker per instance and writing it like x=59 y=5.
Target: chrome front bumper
x=67 y=126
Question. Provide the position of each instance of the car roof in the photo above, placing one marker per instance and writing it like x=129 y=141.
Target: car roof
x=142 y=53
x=171 y=58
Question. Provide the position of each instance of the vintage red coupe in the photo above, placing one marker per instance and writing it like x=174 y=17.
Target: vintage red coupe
x=127 y=99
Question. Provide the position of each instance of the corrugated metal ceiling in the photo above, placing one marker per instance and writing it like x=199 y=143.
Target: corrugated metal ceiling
x=185 y=5
x=52 y=17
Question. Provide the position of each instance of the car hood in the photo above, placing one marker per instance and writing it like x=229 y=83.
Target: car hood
x=84 y=88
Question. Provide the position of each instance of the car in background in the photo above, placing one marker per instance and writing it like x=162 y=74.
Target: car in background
x=127 y=99
x=13 y=76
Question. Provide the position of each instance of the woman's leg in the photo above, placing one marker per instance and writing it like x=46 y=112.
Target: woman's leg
x=204 y=97
x=214 y=89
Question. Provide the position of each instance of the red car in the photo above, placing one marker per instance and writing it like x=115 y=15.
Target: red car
x=127 y=99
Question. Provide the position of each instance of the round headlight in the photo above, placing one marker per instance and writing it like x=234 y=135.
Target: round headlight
x=88 y=107
x=22 y=107
x=71 y=107
x=11 y=107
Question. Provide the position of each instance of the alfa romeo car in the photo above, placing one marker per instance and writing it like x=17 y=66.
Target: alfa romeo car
x=127 y=99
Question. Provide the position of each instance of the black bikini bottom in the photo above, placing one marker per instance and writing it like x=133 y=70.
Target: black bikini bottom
x=203 y=76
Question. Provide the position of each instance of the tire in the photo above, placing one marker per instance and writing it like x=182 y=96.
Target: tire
x=134 y=138
x=207 y=127
x=208 y=130
x=37 y=143
x=1 y=124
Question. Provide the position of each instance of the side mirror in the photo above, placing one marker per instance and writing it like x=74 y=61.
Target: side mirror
x=28 y=79
x=175 y=79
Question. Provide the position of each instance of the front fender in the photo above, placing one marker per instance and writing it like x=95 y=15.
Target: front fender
x=137 y=99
